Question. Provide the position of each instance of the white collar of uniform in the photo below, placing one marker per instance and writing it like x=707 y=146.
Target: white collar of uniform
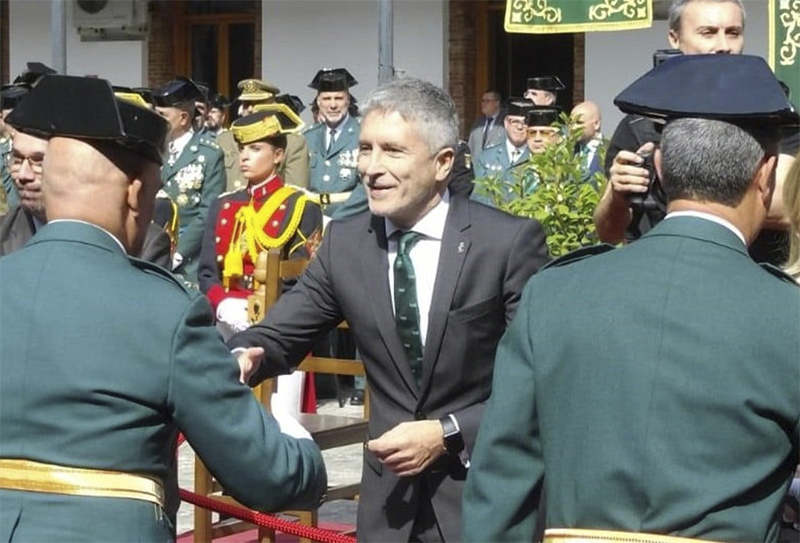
x=118 y=242
x=709 y=217
x=431 y=225
x=510 y=148
x=339 y=127
x=180 y=142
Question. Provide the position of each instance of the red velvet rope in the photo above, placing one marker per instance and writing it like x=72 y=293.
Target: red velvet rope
x=262 y=519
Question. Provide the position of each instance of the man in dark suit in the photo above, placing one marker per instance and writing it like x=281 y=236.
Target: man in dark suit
x=487 y=130
x=105 y=357
x=667 y=400
x=426 y=319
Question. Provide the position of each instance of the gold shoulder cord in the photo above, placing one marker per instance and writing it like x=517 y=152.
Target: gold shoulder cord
x=251 y=221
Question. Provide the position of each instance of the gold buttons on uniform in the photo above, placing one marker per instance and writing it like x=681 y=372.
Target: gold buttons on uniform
x=275 y=223
x=217 y=239
x=223 y=222
x=282 y=207
x=227 y=205
x=219 y=258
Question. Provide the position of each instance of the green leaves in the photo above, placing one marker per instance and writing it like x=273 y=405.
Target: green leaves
x=550 y=188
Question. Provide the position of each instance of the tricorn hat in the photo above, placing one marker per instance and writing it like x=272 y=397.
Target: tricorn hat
x=542 y=115
x=86 y=108
x=218 y=101
x=294 y=102
x=518 y=107
x=333 y=80
x=739 y=89
x=549 y=83
x=178 y=91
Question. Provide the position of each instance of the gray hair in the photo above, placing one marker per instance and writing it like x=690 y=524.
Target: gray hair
x=712 y=160
x=426 y=105
x=677 y=7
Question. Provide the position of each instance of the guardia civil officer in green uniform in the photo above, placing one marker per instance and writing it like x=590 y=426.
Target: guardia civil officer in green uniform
x=659 y=391
x=104 y=358
x=333 y=142
x=193 y=174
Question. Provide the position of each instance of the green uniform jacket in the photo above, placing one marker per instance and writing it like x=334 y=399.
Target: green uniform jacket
x=103 y=360
x=193 y=182
x=653 y=388
x=335 y=170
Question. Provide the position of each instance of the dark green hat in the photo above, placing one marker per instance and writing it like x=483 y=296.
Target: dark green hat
x=178 y=91
x=542 y=115
x=86 y=108
x=549 y=83
x=333 y=80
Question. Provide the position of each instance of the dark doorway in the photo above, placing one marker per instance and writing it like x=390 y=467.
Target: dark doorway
x=515 y=57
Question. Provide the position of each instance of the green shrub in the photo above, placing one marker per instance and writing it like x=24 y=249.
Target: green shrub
x=550 y=188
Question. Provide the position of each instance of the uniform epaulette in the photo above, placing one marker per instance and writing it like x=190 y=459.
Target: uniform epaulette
x=579 y=254
x=209 y=143
x=311 y=128
x=497 y=144
x=154 y=269
x=777 y=272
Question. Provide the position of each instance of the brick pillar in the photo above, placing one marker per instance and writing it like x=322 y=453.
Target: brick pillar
x=160 y=46
x=462 y=61
x=578 y=67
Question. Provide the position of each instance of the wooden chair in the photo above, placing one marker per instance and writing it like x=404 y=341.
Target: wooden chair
x=328 y=431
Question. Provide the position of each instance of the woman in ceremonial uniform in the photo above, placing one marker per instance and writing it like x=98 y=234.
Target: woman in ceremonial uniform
x=266 y=214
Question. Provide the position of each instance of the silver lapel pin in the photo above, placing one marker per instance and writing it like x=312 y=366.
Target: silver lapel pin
x=462 y=246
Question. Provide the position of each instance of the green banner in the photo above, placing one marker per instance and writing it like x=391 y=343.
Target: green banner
x=784 y=43
x=555 y=16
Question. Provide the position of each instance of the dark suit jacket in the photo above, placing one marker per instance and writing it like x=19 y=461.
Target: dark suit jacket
x=665 y=400
x=16 y=228
x=496 y=135
x=104 y=360
x=486 y=258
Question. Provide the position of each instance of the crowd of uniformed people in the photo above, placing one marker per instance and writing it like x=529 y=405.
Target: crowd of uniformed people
x=643 y=393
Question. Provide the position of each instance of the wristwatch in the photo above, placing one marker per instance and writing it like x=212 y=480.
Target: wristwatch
x=453 y=441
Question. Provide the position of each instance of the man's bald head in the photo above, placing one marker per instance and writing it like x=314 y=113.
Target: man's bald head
x=587 y=117
x=102 y=184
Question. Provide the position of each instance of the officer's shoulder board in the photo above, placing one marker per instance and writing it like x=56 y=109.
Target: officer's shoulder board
x=156 y=270
x=579 y=254
x=205 y=142
x=312 y=128
x=777 y=272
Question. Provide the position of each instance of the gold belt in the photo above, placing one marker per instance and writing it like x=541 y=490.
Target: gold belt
x=40 y=477
x=569 y=535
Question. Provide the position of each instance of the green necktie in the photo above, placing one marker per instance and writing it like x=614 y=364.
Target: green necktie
x=406 y=310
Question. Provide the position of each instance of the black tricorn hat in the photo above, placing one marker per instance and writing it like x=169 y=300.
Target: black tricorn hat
x=518 y=107
x=86 y=108
x=32 y=73
x=546 y=83
x=740 y=89
x=178 y=91
x=218 y=101
x=332 y=80
x=146 y=93
x=288 y=118
x=294 y=102
x=542 y=115
x=11 y=95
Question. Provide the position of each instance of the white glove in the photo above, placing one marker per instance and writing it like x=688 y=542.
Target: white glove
x=177 y=260
x=233 y=312
x=289 y=425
